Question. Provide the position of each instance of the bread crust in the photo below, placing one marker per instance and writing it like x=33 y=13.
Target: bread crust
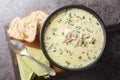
x=13 y=30
x=28 y=28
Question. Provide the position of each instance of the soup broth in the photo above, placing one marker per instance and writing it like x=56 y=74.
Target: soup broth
x=73 y=38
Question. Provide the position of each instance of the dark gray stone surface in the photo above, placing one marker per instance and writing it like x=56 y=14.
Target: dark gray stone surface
x=6 y=69
x=107 y=9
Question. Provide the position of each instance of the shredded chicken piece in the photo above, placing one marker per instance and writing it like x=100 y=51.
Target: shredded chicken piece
x=78 y=42
x=74 y=35
x=69 y=35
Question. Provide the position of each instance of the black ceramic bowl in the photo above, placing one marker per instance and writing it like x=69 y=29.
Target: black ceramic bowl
x=47 y=22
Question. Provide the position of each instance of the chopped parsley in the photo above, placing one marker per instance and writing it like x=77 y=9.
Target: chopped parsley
x=70 y=53
x=63 y=33
x=83 y=17
x=68 y=63
x=97 y=23
x=70 y=15
x=54 y=30
x=69 y=20
x=88 y=56
x=54 y=50
x=83 y=52
x=53 y=33
x=80 y=57
x=94 y=57
x=59 y=20
x=85 y=44
x=93 y=42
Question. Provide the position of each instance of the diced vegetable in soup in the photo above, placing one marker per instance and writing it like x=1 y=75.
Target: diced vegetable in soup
x=73 y=38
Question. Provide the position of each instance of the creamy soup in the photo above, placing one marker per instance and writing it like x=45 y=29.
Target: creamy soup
x=73 y=38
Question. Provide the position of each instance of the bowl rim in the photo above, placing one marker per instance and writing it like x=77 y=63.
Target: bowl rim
x=46 y=22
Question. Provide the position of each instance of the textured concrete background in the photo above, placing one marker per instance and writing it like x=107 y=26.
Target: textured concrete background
x=109 y=11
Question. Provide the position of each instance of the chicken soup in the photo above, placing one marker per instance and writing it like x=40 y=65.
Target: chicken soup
x=73 y=38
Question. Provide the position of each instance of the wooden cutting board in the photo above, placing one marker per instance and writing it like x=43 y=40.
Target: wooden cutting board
x=36 y=44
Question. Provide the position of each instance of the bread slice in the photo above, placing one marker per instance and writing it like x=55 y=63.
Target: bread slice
x=29 y=28
x=40 y=16
x=15 y=30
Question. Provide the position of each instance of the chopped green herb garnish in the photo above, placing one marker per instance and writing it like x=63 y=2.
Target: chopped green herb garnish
x=69 y=42
x=81 y=65
x=93 y=42
x=53 y=33
x=87 y=36
x=63 y=33
x=83 y=17
x=97 y=23
x=54 y=29
x=66 y=51
x=59 y=20
x=70 y=14
x=54 y=50
x=68 y=21
x=94 y=57
x=51 y=45
x=80 y=57
x=85 y=44
x=68 y=63
x=88 y=56
x=82 y=42
x=89 y=18
x=83 y=52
